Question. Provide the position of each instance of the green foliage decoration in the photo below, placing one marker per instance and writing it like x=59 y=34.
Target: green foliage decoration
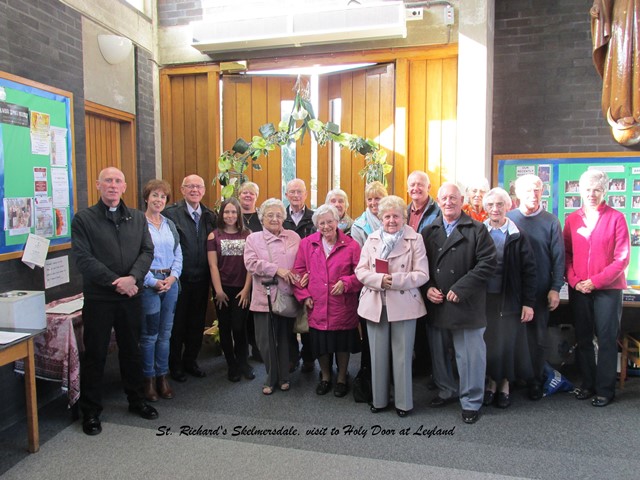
x=233 y=163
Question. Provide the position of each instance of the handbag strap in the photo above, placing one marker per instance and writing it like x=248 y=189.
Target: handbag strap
x=269 y=251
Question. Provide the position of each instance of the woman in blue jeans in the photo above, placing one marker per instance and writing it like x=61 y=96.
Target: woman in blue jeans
x=160 y=292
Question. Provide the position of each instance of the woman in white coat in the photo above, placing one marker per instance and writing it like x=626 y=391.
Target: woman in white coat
x=393 y=266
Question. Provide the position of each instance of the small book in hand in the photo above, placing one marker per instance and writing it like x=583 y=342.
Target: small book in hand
x=382 y=266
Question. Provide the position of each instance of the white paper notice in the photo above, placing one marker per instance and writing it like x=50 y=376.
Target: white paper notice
x=58 y=147
x=35 y=251
x=8 y=337
x=40 y=135
x=56 y=271
x=60 y=187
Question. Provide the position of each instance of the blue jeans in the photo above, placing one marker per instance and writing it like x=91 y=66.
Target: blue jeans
x=158 y=310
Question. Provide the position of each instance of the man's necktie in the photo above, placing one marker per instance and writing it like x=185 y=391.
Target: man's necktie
x=196 y=218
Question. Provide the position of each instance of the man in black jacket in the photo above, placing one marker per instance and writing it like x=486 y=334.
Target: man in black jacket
x=194 y=222
x=113 y=250
x=462 y=258
x=299 y=219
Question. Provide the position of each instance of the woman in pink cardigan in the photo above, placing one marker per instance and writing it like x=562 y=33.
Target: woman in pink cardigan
x=596 y=240
x=329 y=257
x=268 y=254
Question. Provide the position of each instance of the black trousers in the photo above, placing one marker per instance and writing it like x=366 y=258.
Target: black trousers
x=232 y=321
x=188 y=324
x=537 y=338
x=99 y=318
x=597 y=313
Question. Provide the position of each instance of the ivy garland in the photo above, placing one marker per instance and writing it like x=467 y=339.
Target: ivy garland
x=233 y=163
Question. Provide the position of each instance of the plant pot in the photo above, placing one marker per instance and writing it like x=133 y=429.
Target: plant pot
x=240 y=146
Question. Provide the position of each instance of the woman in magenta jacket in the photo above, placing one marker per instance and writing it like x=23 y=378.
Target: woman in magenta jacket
x=329 y=257
x=596 y=242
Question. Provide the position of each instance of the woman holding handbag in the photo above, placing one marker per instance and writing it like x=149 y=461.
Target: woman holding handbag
x=269 y=255
x=329 y=257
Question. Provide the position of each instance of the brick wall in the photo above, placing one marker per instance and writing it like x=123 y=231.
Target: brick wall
x=546 y=92
x=144 y=120
x=172 y=13
x=41 y=40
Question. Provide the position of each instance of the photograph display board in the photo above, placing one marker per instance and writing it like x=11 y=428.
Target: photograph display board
x=36 y=164
x=561 y=196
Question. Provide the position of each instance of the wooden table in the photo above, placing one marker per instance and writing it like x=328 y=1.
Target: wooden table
x=23 y=349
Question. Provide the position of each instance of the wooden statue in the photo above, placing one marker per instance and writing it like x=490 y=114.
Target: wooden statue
x=615 y=34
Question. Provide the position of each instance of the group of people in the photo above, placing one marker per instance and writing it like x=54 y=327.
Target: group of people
x=465 y=289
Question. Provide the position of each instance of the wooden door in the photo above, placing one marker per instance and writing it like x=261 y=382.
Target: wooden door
x=190 y=118
x=110 y=139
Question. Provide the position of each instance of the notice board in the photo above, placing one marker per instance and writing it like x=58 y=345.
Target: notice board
x=37 y=186
x=560 y=174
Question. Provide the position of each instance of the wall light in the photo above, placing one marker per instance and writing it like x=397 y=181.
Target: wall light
x=114 y=48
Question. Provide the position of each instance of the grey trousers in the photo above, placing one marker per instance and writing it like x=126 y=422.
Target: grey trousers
x=393 y=339
x=471 y=360
x=275 y=351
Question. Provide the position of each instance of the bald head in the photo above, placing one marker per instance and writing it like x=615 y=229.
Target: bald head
x=111 y=185
x=450 y=201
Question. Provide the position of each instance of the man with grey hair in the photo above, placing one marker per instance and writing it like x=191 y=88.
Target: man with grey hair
x=545 y=236
x=299 y=219
x=462 y=258
x=194 y=222
x=421 y=211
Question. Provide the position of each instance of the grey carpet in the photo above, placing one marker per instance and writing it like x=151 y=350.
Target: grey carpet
x=556 y=438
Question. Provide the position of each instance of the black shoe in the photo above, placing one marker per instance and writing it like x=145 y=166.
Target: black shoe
x=489 y=397
x=601 y=401
x=233 y=375
x=247 y=372
x=402 y=413
x=340 y=389
x=503 y=400
x=431 y=384
x=178 y=375
x=323 y=387
x=585 y=393
x=195 y=371
x=470 y=416
x=535 y=392
x=441 y=402
x=91 y=425
x=377 y=409
x=144 y=410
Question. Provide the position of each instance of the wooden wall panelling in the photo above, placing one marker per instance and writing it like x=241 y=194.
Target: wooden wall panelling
x=417 y=118
x=435 y=124
x=365 y=123
x=346 y=157
x=397 y=183
x=449 y=117
x=324 y=154
x=387 y=125
x=258 y=102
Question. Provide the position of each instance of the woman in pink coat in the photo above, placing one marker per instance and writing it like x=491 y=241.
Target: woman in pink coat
x=329 y=257
x=268 y=254
x=392 y=268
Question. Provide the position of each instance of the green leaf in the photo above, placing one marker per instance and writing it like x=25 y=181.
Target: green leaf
x=315 y=125
x=227 y=192
x=283 y=126
x=386 y=168
x=257 y=166
x=332 y=128
x=224 y=164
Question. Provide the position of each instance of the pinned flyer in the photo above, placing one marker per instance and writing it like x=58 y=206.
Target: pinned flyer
x=35 y=251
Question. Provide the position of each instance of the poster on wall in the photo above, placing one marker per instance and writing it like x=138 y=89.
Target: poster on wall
x=36 y=164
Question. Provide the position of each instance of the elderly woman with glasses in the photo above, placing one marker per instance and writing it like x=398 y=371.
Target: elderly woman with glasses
x=269 y=255
x=329 y=258
x=338 y=198
x=392 y=267
x=511 y=296
x=597 y=248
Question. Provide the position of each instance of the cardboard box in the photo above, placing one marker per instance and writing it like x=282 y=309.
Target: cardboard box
x=22 y=309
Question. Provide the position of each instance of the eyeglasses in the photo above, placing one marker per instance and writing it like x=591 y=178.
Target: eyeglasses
x=277 y=216
x=192 y=186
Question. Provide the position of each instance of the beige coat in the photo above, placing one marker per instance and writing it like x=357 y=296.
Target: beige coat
x=409 y=269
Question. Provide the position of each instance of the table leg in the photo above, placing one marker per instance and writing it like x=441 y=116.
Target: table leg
x=32 y=398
